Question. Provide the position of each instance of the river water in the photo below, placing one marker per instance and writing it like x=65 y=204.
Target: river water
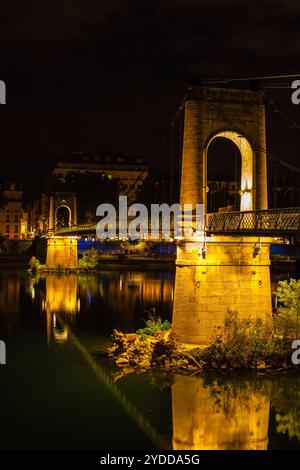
x=57 y=391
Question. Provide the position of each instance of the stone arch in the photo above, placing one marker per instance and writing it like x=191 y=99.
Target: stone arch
x=70 y=214
x=61 y=199
x=247 y=166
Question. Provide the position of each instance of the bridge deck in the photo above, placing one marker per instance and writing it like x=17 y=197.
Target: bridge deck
x=273 y=222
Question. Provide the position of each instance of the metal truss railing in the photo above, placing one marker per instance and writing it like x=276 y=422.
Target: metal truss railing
x=267 y=222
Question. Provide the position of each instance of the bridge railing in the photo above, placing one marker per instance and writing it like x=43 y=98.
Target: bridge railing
x=273 y=221
x=268 y=222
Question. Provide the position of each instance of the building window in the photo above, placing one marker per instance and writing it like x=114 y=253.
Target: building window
x=15 y=229
x=16 y=218
x=7 y=217
x=7 y=228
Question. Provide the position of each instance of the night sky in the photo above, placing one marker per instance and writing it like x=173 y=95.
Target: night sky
x=92 y=75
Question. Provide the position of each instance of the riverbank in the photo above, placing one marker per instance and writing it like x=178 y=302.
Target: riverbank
x=135 y=262
x=108 y=263
x=126 y=262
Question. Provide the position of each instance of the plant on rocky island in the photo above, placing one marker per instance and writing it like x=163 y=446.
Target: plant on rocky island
x=154 y=324
x=240 y=343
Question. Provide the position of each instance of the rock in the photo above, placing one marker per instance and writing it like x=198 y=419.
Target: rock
x=160 y=359
x=145 y=364
x=125 y=355
x=121 y=361
x=261 y=366
x=112 y=349
x=130 y=337
x=128 y=370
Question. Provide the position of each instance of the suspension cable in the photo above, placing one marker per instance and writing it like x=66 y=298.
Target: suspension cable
x=258 y=146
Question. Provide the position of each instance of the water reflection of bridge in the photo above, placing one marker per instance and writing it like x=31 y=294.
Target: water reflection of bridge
x=204 y=416
x=9 y=302
x=211 y=411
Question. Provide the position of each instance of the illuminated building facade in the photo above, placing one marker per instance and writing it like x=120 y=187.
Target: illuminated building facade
x=38 y=215
x=13 y=218
x=130 y=172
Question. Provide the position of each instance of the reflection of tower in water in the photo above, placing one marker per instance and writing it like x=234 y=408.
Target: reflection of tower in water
x=61 y=297
x=10 y=303
x=215 y=418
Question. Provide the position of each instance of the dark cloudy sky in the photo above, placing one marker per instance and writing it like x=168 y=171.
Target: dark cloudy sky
x=93 y=75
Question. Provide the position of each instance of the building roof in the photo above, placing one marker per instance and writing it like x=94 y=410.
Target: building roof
x=100 y=157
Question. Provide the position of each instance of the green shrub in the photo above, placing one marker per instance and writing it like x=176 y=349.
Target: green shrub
x=60 y=267
x=241 y=342
x=154 y=324
x=89 y=260
x=287 y=317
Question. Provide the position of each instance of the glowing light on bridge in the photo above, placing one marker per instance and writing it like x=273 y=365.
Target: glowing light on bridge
x=247 y=166
x=246 y=200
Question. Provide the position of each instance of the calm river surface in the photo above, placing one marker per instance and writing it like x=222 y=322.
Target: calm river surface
x=55 y=393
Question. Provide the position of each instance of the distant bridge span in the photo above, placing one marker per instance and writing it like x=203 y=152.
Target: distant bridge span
x=79 y=230
x=272 y=223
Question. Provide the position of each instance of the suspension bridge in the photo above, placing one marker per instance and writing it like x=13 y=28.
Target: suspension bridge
x=228 y=267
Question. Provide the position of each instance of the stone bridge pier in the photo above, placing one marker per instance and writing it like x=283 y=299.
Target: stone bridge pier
x=232 y=274
x=62 y=251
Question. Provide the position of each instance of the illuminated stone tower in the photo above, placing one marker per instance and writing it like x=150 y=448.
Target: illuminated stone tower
x=61 y=250
x=218 y=273
x=60 y=201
